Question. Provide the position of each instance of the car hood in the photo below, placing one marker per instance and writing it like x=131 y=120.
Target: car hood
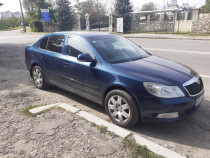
x=155 y=69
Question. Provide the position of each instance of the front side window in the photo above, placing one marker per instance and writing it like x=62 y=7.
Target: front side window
x=78 y=46
x=55 y=43
x=43 y=44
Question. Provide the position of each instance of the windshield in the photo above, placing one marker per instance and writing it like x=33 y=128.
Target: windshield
x=116 y=49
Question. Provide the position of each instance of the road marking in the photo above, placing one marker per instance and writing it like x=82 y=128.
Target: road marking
x=19 y=36
x=12 y=37
x=205 y=76
x=179 y=51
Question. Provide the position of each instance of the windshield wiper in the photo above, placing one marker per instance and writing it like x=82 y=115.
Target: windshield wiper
x=138 y=58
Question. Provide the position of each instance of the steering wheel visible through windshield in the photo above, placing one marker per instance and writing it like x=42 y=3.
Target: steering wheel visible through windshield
x=117 y=49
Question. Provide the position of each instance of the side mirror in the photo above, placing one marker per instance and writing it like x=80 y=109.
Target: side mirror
x=85 y=57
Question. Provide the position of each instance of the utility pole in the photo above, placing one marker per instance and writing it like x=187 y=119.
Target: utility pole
x=164 y=5
x=98 y=17
x=24 y=28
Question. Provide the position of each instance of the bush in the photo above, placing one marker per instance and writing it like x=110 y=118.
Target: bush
x=36 y=26
x=9 y=23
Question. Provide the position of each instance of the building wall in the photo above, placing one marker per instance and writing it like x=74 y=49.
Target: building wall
x=183 y=26
x=203 y=24
x=200 y=23
x=9 y=14
x=146 y=25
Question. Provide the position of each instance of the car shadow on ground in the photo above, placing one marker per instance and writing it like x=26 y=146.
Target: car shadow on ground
x=191 y=131
x=77 y=98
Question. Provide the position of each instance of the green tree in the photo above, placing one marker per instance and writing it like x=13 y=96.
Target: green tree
x=148 y=6
x=33 y=10
x=206 y=7
x=95 y=10
x=124 y=8
x=64 y=15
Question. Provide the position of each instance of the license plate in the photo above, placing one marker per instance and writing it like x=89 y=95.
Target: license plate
x=199 y=100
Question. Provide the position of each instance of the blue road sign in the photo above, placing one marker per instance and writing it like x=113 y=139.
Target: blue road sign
x=45 y=15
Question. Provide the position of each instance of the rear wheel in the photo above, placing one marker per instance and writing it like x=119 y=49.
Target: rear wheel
x=122 y=108
x=38 y=78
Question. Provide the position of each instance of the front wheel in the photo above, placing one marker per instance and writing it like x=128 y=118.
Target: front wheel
x=122 y=108
x=38 y=78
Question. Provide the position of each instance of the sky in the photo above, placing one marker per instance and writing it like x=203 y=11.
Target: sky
x=13 y=5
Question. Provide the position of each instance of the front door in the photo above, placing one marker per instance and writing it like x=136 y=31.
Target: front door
x=84 y=76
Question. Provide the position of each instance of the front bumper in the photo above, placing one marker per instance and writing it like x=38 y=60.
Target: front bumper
x=151 y=107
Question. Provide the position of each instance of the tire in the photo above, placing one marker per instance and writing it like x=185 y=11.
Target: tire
x=121 y=108
x=38 y=78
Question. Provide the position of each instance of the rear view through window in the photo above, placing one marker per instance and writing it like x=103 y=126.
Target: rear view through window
x=53 y=43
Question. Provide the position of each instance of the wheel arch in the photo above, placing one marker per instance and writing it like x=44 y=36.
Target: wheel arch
x=32 y=65
x=120 y=87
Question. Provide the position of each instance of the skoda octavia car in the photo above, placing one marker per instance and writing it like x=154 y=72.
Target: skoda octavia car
x=110 y=70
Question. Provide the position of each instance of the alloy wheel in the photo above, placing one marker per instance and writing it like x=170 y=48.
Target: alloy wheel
x=119 y=108
x=37 y=75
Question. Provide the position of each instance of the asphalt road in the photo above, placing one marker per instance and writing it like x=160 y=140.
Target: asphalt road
x=190 y=136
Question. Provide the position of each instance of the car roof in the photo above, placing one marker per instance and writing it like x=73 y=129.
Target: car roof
x=81 y=33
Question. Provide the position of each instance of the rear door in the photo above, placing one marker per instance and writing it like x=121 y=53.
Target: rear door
x=53 y=60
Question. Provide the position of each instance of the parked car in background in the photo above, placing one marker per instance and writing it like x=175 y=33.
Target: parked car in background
x=110 y=70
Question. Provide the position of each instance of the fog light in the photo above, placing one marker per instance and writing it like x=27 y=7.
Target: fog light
x=168 y=115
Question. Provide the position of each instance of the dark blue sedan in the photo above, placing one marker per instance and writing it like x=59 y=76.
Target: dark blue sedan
x=112 y=71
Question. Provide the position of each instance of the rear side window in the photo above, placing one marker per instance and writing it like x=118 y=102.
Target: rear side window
x=55 y=43
x=43 y=44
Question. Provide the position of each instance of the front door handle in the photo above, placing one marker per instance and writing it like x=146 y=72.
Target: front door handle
x=65 y=63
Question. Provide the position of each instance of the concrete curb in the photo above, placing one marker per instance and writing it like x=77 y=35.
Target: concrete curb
x=111 y=127
x=161 y=37
x=67 y=107
x=156 y=148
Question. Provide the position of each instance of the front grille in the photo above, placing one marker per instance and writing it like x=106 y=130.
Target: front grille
x=195 y=88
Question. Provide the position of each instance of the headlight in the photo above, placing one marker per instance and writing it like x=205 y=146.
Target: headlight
x=163 y=91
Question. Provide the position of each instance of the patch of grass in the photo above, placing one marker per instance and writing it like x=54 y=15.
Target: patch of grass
x=21 y=31
x=136 y=150
x=23 y=95
x=93 y=124
x=3 y=80
x=11 y=28
x=112 y=134
x=26 y=111
x=0 y=100
x=101 y=128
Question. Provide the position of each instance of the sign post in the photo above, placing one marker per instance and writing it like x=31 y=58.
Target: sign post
x=120 y=25
x=45 y=17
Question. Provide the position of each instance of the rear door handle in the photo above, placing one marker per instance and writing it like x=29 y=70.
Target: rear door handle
x=41 y=56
